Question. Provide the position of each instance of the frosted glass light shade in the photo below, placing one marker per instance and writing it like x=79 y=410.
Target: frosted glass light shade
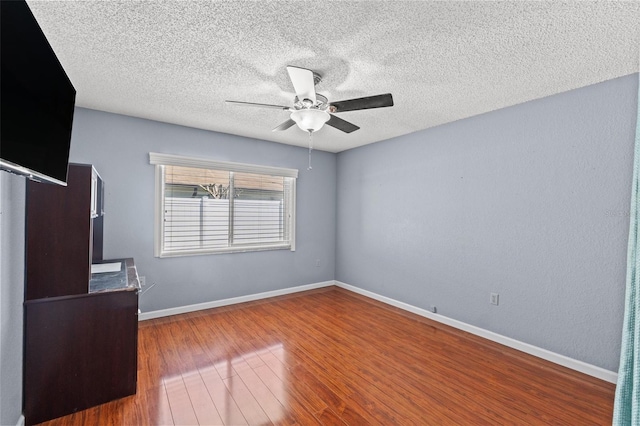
x=310 y=120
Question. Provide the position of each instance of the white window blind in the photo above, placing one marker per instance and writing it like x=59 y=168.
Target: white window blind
x=205 y=206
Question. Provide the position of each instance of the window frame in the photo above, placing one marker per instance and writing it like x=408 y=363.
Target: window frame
x=161 y=160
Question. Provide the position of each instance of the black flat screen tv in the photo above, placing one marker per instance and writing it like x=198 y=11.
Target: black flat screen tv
x=37 y=99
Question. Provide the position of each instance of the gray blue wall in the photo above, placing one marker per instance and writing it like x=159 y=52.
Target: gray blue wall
x=12 y=204
x=530 y=202
x=119 y=148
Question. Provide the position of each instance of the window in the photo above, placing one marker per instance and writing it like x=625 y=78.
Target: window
x=205 y=206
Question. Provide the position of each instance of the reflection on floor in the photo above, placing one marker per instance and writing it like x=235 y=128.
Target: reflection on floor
x=210 y=393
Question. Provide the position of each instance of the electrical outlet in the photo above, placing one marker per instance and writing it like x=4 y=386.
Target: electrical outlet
x=317 y=263
x=494 y=299
x=142 y=280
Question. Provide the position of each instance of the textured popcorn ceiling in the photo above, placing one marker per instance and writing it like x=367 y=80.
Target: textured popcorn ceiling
x=178 y=61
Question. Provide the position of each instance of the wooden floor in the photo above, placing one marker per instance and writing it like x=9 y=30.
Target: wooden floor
x=333 y=357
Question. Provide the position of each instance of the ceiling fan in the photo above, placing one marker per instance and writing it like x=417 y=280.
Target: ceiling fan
x=311 y=110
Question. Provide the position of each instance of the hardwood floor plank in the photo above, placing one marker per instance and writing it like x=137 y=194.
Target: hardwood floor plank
x=328 y=418
x=179 y=402
x=268 y=402
x=330 y=356
x=203 y=405
x=273 y=383
x=250 y=408
x=277 y=367
x=319 y=395
x=152 y=408
x=229 y=411
x=293 y=402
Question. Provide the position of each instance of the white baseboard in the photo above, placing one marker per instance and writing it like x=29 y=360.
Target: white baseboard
x=232 y=301
x=565 y=361
x=20 y=421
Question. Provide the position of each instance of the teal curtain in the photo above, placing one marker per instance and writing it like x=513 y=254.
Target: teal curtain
x=626 y=410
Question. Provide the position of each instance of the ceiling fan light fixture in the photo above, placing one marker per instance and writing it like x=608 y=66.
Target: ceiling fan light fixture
x=310 y=120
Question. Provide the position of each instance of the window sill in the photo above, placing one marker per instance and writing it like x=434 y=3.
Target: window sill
x=226 y=250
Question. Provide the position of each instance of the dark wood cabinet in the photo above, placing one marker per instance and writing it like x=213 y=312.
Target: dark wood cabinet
x=81 y=352
x=80 y=344
x=59 y=230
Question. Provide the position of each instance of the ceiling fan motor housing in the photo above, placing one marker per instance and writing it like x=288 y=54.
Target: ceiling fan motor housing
x=321 y=103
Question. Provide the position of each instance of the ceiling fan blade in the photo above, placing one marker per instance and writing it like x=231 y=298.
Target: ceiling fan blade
x=303 y=83
x=284 y=126
x=252 y=104
x=378 y=101
x=341 y=124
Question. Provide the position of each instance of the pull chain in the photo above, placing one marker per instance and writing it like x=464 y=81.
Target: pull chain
x=310 y=148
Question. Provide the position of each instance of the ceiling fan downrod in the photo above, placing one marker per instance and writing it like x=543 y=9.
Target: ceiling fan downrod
x=310 y=148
